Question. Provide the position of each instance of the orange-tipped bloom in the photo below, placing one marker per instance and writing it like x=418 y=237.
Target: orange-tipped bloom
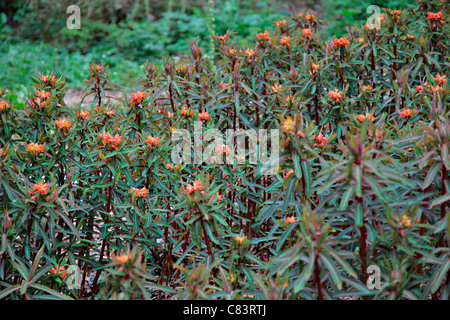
x=223 y=149
x=197 y=185
x=281 y=24
x=137 y=98
x=123 y=258
x=341 y=42
x=440 y=79
x=57 y=270
x=407 y=112
x=435 y=16
x=276 y=88
x=41 y=188
x=189 y=188
x=4 y=105
x=307 y=33
x=185 y=112
x=110 y=113
x=42 y=99
x=240 y=239
x=362 y=117
x=320 y=138
x=290 y=220
x=62 y=124
x=152 y=142
x=289 y=125
x=335 y=95
x=310 y=17
x=264 y=37
x=139 y=193
x=47 y=80
x=285 y=41
x=249 y=53
x=84 y=114
x=204 y=115
x=35 y=147
x=287 y=174
x=109 y=139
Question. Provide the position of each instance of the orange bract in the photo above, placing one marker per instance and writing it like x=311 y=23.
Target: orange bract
x=62 y=124
x=140 y=193
x=35 y=147
x=40 y=187
x=335 y=95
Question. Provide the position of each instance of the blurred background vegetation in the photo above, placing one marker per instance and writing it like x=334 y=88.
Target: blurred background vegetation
x=124 y=33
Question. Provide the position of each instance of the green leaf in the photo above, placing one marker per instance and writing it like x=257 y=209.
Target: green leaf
x=431 y=174
x=334 y=272
x=439 y=274
x=8 y=291
x=51 y=291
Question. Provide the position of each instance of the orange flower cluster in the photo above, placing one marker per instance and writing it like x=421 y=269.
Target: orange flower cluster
x=307 y=33
x=341 y=42
x=46 y=79
x=110 y=113
x=4 y=105
x=362 y=117
x=395 y=12
x=289 y=125
x=99 y=68
x=335 y=95
x=264 y=37
x=409 y=36
x=276 y=88
x=109 y=139
x=249 y=53
x=139 y=193
x=35 y=147
x=285 y=41
x=197 y=185
x=84 y=114
x=435 y=16
x=152 y=142
x=290 y=220
x=407 y=112
x=58 y=270
x=320 y=138
x=281 y=24
x=41 y=99
x=287 y=174
x=204 y=115
x=223 y=149
x=62 y=124
x=240 y=239
x=40 y=187
x=170 y=167
x=123 y=258
x=222 y=37
x=184 y=112
x=440 y=79
x=181 y=69
x=137 y=98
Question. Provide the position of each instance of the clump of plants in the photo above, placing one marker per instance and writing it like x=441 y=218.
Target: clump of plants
x=356 y=208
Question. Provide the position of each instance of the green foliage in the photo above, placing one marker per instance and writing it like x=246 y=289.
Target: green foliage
x=362 y=178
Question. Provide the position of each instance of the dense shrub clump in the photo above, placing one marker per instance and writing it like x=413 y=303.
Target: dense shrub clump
x=362 y=179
